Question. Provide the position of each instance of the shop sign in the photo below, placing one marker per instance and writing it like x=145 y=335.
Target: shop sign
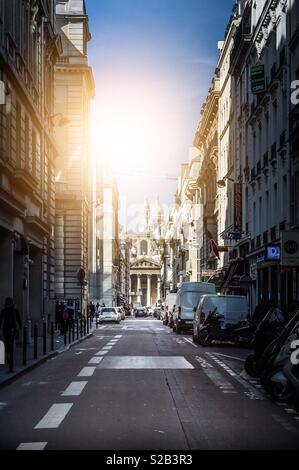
x=258 y=81
x=260 y=259
x=237 y=208
x=273 y=253
x=290 y=248
x=253 y=272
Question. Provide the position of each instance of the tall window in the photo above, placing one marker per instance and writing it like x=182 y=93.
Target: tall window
x=27 y=158
x=33 y=152
x=275 y=204
x=18 y=135
x=143 y=247
x=267 y=212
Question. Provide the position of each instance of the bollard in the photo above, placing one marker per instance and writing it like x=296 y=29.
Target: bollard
x=97 y=323
x=25 y=346
x=73 y=330
x=35 y=336
x=11 y=355
x=44 y=338
x=70 y=333
x=81 y=328
x=65 y=339
x=77 y=324
x=88 y=325
x=52 y=336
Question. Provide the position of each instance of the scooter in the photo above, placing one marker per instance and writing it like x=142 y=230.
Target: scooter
x=266 y=332
x=282 y=381
x=275 y=353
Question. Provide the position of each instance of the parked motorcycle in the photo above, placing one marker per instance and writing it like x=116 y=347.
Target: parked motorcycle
x=266 y=333
x=281 y=376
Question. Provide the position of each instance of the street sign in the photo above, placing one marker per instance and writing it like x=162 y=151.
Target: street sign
x=290 y=248
x=232 y=236
x=237 y=208
x=258 y=81
x=214 y=248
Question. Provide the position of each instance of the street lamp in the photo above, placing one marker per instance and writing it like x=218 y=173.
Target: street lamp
x=222 y=183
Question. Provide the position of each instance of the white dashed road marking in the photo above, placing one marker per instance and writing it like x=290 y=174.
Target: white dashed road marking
x=101 y=353
x=54 y=417
x=216 y=377
x=190 y=342
x=86 y=372
x=95 y=360
x=74 y=389
x=32 y=446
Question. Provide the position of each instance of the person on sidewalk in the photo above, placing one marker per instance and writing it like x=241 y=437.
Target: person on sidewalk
x=10 y=321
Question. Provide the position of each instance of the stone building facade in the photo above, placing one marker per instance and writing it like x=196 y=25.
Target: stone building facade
x=74 y=88
x=29 y=49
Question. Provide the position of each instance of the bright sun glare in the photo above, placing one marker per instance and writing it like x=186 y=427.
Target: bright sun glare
x=126 y=134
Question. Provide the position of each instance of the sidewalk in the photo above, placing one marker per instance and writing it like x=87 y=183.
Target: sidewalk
x=7 y=377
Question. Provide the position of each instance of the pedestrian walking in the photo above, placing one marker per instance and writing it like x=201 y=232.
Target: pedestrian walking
x=10 y=322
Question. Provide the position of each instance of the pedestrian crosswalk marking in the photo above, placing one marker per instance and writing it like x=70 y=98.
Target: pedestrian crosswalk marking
x=101 y=353
x=54 y=417
x=86 y=372
x=145 y=362
x=74 y=389
x=32 y=446
x=95 y=360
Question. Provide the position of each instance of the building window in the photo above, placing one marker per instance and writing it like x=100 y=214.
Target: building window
x=18 y=135
x=33 y=153
x=275 y=210
x=143 y=248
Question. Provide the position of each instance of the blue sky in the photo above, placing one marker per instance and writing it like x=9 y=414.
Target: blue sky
x=155 y=59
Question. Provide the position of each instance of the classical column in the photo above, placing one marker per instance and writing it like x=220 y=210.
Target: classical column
x=149 y=294
x=138 y=288
x=158 y=288
x=130 y=290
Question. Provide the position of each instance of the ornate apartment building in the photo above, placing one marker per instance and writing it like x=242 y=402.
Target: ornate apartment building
x=29 y=49
x=74 y=88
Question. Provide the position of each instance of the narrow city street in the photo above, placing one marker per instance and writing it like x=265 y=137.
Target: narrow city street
x=137 y=385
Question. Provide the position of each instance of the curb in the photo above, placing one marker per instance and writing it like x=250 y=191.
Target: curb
x=38 y=362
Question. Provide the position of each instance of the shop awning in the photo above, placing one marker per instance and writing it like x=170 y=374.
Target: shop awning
x=233 y=275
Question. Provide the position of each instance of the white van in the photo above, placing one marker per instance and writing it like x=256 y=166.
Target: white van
x=187 y=299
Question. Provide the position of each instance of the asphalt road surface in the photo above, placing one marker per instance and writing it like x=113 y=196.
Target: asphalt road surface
x=138 y=385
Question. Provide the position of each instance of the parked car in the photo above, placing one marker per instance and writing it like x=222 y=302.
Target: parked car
x=122 y=313
x=188 y=296
x=140 y=312
x=220 y=317
x=109 y=314
x=169 y=306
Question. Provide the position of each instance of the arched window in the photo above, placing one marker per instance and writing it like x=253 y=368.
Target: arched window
x=143 y=247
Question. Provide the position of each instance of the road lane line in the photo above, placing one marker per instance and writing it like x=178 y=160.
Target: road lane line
x=32 y=446
x=251 y=391
x=231 y=357
x=86 y=372
x=215 y=376
x=95 y=360
x=101 y=353
x=190 y=342
x=54 y=417
x=107 y=348
x=74 y=389
x=118 y=336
